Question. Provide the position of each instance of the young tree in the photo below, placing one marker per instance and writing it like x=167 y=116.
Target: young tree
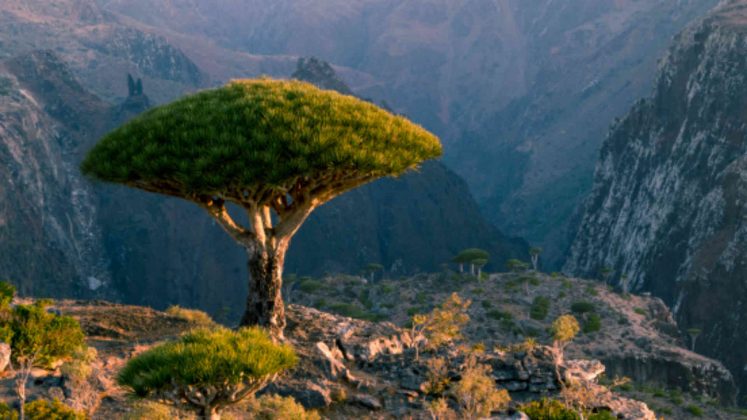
x=564 y=329
x=38 y=339
x=693 y=333
x=276 y=149
x=516 y=266
x=372 y=269
x=479 y=264
x=443 y=325
x=534 y=253
x=476 y=392
x=207 y=369
x=469 y=256
x=606 y=273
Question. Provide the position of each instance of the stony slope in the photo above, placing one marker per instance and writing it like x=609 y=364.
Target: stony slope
x=636 y=337
x=668 y=203
x=348 y=368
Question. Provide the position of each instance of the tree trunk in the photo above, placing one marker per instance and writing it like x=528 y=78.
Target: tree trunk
x=264 y=304
x=210 y=413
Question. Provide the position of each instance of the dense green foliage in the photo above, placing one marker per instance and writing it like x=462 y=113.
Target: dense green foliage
x=207 y=357
x=582 y=307
x=52 y=410
x=470 y=255
x=540 y=308
x=40 y=338
x=593 y=323
x=7 y=413
x=253 y=134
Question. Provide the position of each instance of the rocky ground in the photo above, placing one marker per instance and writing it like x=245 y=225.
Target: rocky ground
x=349 y=368
x=633 y=336
x=357 y=368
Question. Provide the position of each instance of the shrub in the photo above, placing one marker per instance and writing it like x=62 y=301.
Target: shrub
x=275 y=407
x=437 y=377
x=540 y=307
x=546 y=409
x=498 y=315
x=439 y=409
x=694 y=410
x=564 y=328
x=486 y=304
x=38 y=339
x=7 y=413
x=444 y=324
x=52 y=410
x=640 y=311
x=309 y=285
x=591 y=290
x=476 y=392
x=79 y=368
x=150 y=410
x=593 y=323
x=582 y=307
x=602 y=415
x=207 y=369
x=193 y=316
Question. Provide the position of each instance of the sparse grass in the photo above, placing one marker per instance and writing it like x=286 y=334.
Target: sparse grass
x=193 y=316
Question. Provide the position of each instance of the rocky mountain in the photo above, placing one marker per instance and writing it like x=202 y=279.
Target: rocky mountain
x=522 y=92
x=668 y=204
x=47 y=216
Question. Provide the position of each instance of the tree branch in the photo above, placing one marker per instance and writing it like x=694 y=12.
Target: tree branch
x=216 y=208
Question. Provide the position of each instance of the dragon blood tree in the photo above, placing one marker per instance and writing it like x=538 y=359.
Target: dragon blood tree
x=277 y=149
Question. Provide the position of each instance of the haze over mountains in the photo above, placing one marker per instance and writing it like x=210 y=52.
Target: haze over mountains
x=522 y=93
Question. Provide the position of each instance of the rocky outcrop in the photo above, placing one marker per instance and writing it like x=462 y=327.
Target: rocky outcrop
x=668 y=204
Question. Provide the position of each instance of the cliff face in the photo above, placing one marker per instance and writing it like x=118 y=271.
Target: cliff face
x=47 y=211
x=668 y=205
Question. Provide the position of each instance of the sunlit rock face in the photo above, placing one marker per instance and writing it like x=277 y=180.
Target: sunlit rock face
x=670 y=193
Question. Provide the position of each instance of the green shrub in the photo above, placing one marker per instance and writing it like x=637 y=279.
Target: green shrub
x=7 y=413
x=540 y=308
x=602 y=415
x=275 y=407
x=546 y=409
x=582 y=307
x=640 y=311
x=497 y=314
x=5 y=86
x=229 y=364
x=52 y=410
x=309 y=285
x=592 y=324
x=193 y=316
x=486 y=304
x=386 y=288
x=591 y=290
x=421 y=298
x=694 y=410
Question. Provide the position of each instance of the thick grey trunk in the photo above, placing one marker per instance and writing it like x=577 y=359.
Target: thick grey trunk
x=264 y=304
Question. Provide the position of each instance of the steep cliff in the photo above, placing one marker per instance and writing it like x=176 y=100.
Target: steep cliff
x=49 y=240
x=669 y=201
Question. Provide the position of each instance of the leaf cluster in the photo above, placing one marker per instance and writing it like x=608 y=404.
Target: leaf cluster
x=38 y=336
x=207 y=358
x=52 y=410
x=472 y=256
x=565 y=328
x=444 y=324
x=255 y=135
